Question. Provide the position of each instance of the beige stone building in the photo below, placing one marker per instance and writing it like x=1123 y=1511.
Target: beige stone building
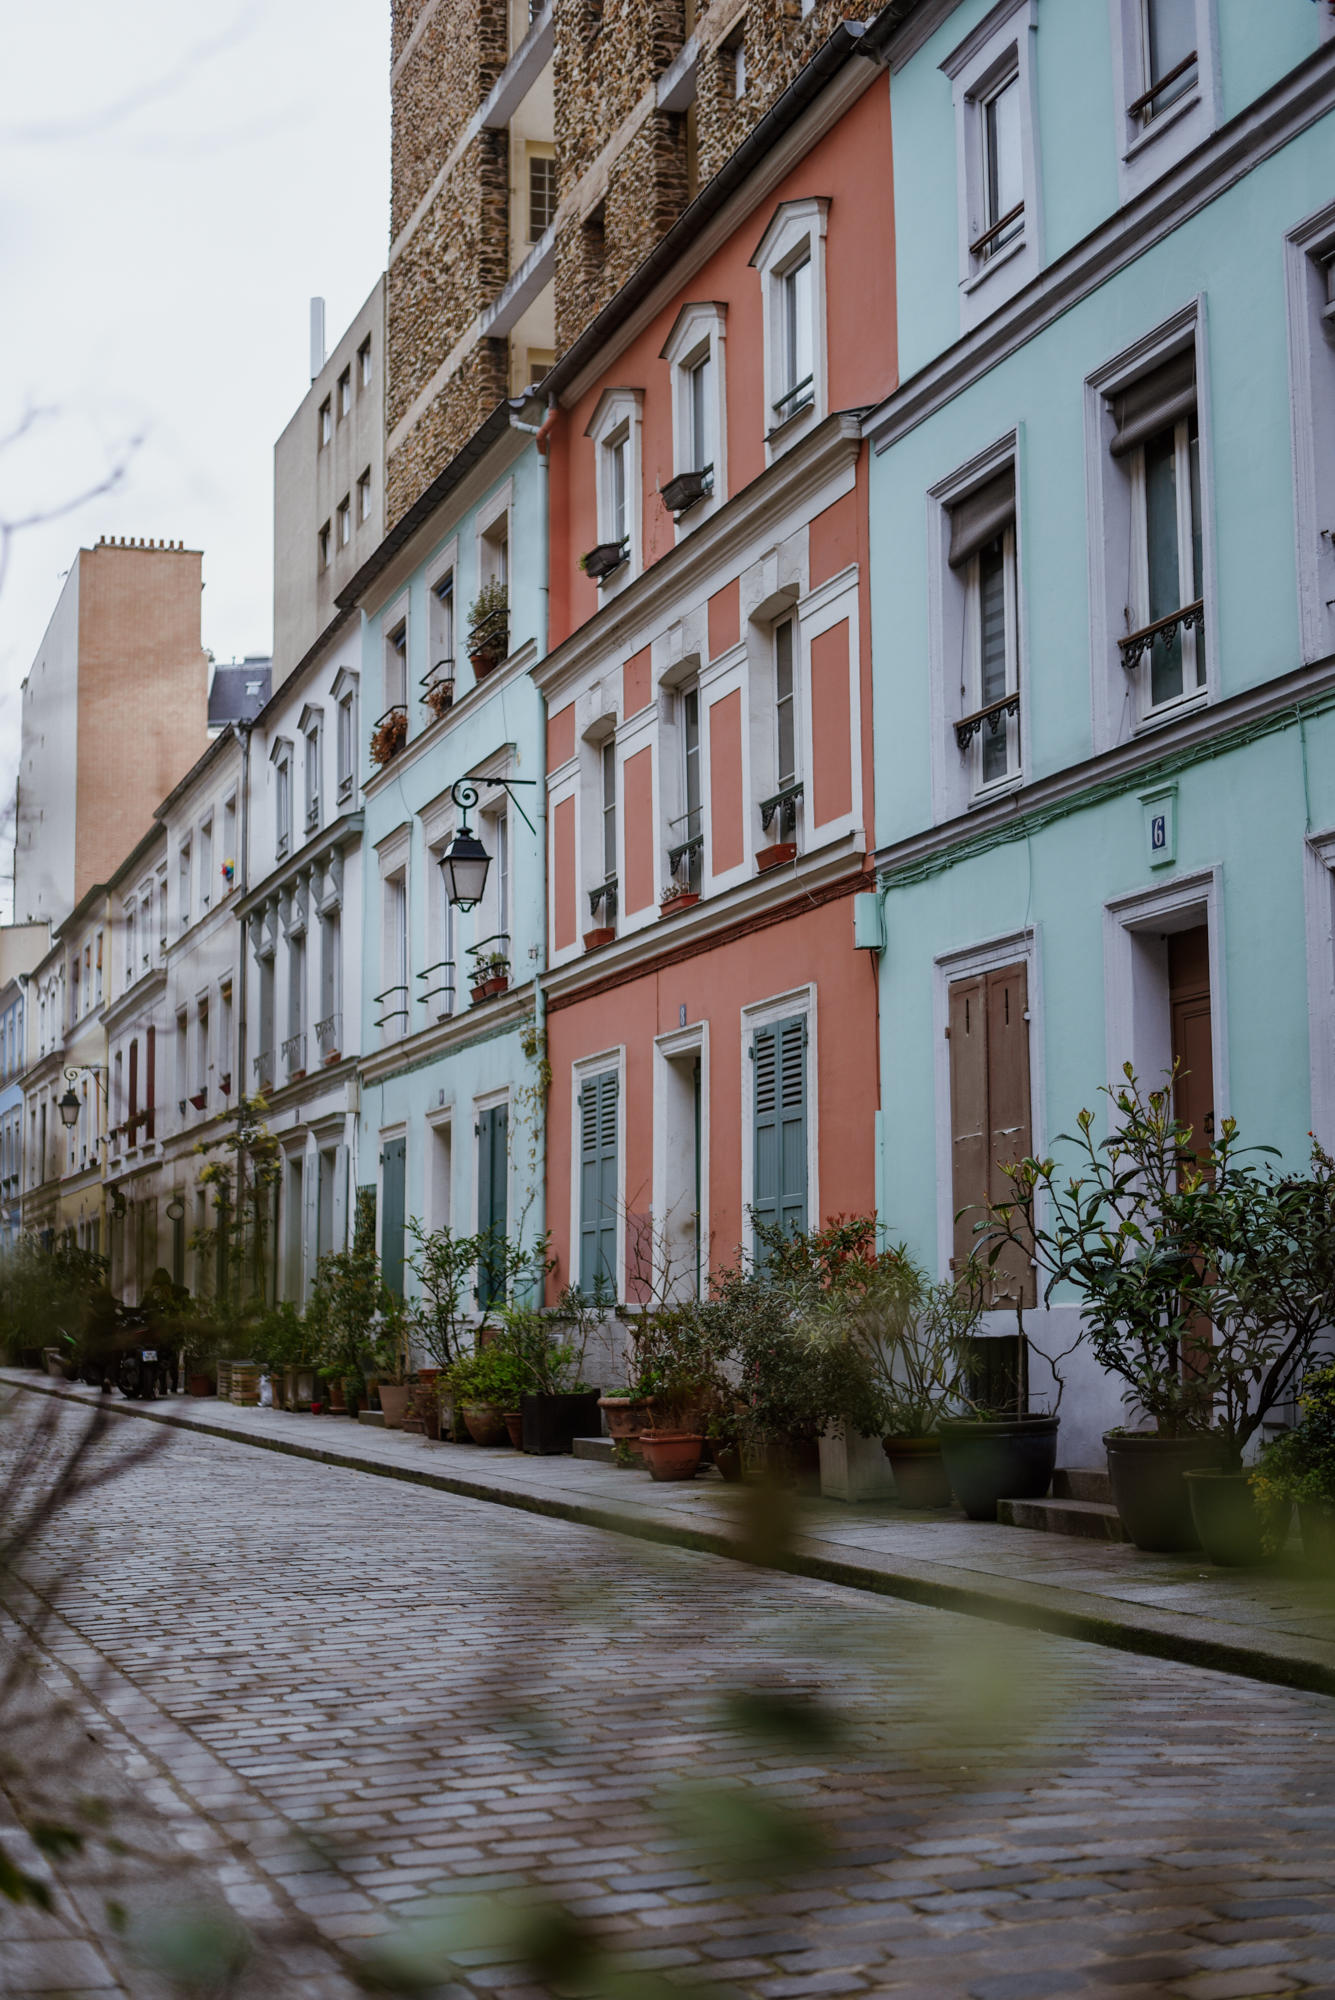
x=540 y=150
x=114 y=712
x=329 y=482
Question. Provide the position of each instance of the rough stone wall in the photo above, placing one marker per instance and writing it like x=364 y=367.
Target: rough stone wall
x=450 y=260
x=622 y=175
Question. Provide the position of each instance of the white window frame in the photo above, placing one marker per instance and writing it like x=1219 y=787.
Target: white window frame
x=442 y=920
x=185 y=900
x=1120 y=708
x=1002 y=44
x=343 y=516
x=619 y=411
x=311 y=728
x=345 y=693
x=691 y=1041
x=587 y=1066
x=1309 y=283
x=699 y=333
x=206 y=857
x=494 y=553
x=395 y=878
x=1148 y=148
x=364 y=496
x=364 y=364
x=280 y=756
x=393 y=622
x=796 y=233
x=952 y=614
x=444 y=570
x=439 y=1125
x=763 y=1014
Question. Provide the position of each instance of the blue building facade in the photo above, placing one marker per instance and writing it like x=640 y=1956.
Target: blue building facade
x=451 y=1076
x=1103 y=637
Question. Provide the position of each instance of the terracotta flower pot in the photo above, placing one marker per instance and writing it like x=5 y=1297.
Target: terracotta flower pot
x=478 y=993
x=200 y=1385
x=776 y=854
x=671 y=1454
x=728 y=1459
x=394 y=1400
x=920 y=1473
x=626 y=1416
x=686 y=901
x=601 y=934
x=486 y=1423
x=482 y=664
x=514 y=1424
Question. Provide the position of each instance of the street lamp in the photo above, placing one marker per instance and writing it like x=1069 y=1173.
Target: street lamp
x=465 y=862
x=68 y=1108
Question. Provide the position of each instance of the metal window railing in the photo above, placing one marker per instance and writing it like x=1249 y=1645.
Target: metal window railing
x=394 y=1013
x=443 y=988
x=329 y=1036
x=685 y=858
x=262 y=1064
x=781 y=811
x=990 y=717
x=795 y=399
x=604 y=898
x=1136 y=645
x=294 y=1054
x=491 y=961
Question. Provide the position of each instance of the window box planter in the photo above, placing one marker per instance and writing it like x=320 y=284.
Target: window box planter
x=601 y=934
x=688 y=487
x=200 y=1099
x=684 y=899
x=487 y=989
x=602 y=561
x=775 y=855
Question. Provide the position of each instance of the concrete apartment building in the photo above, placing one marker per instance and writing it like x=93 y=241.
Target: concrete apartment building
x=540 y=150
x=329 y=482
x=113 y=714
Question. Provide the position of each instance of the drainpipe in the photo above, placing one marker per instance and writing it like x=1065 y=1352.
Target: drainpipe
x=542 y=432
x=242 y=731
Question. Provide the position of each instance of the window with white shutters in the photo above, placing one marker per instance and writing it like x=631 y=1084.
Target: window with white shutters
x=598 y=1184
x=779 y=1182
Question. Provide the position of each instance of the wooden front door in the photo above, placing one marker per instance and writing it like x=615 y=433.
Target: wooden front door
x=1192 y=1044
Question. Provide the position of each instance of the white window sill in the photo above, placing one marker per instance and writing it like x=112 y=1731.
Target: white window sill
x=987 y=795
x=995 y=263
x=1168 y=711
x=1164 y=122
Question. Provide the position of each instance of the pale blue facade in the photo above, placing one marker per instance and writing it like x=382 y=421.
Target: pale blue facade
x=451 y=1103
x=1156 y=862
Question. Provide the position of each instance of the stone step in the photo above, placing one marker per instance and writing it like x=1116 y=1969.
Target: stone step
x=1089 y=1519
x=375 y=1418
x=599 y=1448
x=1082 y=1482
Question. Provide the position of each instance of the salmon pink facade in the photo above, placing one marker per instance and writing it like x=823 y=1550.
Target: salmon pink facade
x=710 y=1026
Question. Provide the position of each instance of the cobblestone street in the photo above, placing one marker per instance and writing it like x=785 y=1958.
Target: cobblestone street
x=453 y=1695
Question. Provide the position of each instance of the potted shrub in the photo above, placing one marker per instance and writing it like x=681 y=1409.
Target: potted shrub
x=1298 y=1468
x=485 y=1384
x=488 y=627
x=349 y=1307
x=675 y=898
x=1204 y=1280
x=389 y=735
x=898 y=1347
x=491 y=975
x=556 y=1405
x=392 y=1364
x=439 y=697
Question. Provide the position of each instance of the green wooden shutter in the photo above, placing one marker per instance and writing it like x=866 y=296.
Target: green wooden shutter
x=779 y=1181
x=394 y=1167
x=493 y=1162
x=598 y=1184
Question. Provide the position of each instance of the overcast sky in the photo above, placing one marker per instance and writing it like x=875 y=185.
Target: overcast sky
x=176 y=181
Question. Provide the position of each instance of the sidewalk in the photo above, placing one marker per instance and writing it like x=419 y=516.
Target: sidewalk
x=1270 y=1626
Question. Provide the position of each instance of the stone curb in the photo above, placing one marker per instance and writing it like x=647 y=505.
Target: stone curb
x=1281 y=1659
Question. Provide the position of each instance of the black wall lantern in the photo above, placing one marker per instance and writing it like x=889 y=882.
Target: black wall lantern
x=465 y=862
x=68 y=1108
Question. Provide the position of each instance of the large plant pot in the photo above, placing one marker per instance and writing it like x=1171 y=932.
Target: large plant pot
x=1229 y=1519
x=514 y=1424
x=486 y=1423
x=199 y=1385
x=552 y=1423
x=394 y=1400
x=1316 y=1522
x=1149 y=1488
x=671 y=1454
x=920 y=1473
x=626 y=1416
x=728 y=1459
x=1010 y=1460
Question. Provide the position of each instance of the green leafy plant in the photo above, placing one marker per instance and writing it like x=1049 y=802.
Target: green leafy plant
x=897 y=1345
x=488 y=621
x=1204 y=1278
x=445 y=1267
x=1299 y=1464
x=491 y=1374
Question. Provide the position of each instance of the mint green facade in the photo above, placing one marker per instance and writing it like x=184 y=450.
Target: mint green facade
x=1054 y=868
x=450 y=1128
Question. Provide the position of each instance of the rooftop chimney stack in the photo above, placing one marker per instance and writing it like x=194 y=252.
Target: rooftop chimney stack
x=317 y=337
